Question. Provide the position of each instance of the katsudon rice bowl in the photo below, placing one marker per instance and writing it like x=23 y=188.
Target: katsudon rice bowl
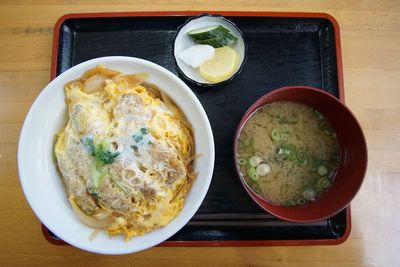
x=116 y=155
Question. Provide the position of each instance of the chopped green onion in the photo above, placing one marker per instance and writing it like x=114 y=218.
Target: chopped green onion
x=322 y=170
x=263 y=169
x=254 y=176
x=252 y=173
x=241 y=162
x=98 y=172
x=309 y=194
x=275 y=136
x=288 y=151
x=100 y=157
x=291 y=147
x=251 y=170
x=292 y=155
x=324 y=182
x=302 y=158
x=254 y=161
x=284 y=151
x=301 y=201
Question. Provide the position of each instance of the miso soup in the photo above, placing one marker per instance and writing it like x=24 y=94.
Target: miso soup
x=288 y=153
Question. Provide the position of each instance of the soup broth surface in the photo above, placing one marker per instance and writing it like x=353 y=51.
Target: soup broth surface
x=288 y=153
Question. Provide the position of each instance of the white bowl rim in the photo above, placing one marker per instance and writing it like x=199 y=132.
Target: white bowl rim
x=207 y=175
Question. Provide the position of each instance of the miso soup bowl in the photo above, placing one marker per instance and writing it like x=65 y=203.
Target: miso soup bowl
x=352 y=153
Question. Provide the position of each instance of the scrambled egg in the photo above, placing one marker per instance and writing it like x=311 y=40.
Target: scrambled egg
x=126 y=153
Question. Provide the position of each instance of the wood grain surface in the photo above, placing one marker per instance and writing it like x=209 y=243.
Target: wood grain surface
x=370 y=32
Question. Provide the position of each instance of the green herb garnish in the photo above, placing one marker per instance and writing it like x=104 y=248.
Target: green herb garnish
x=139 y=136
x=100 y=156
x=143 y=131
x=89 y=145
x=103 y=154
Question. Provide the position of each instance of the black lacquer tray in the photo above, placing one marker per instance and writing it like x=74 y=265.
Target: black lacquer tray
x=283 y=49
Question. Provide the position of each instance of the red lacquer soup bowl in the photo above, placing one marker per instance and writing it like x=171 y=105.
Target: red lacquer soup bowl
x=352 y=153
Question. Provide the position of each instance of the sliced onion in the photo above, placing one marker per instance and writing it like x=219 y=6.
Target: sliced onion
x=107 y=72
x=88 y=220
x=94 y=84
x=94 y=234
x=100 y=69
x=102 y=215
x=90 y=73
x=152 y=89
x=132 y=80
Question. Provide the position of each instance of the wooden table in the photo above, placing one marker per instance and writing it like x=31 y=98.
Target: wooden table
x=370 y=33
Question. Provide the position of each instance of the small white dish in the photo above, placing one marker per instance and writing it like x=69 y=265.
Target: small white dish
x=42 y=184
x=183 y=41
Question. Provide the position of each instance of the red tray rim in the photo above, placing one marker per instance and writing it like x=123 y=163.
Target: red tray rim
x=218 y=243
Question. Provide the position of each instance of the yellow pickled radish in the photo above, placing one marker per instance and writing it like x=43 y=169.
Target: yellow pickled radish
x=222 y=66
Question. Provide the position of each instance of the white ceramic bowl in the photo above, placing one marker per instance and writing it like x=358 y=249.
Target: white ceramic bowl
x=43 y=186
